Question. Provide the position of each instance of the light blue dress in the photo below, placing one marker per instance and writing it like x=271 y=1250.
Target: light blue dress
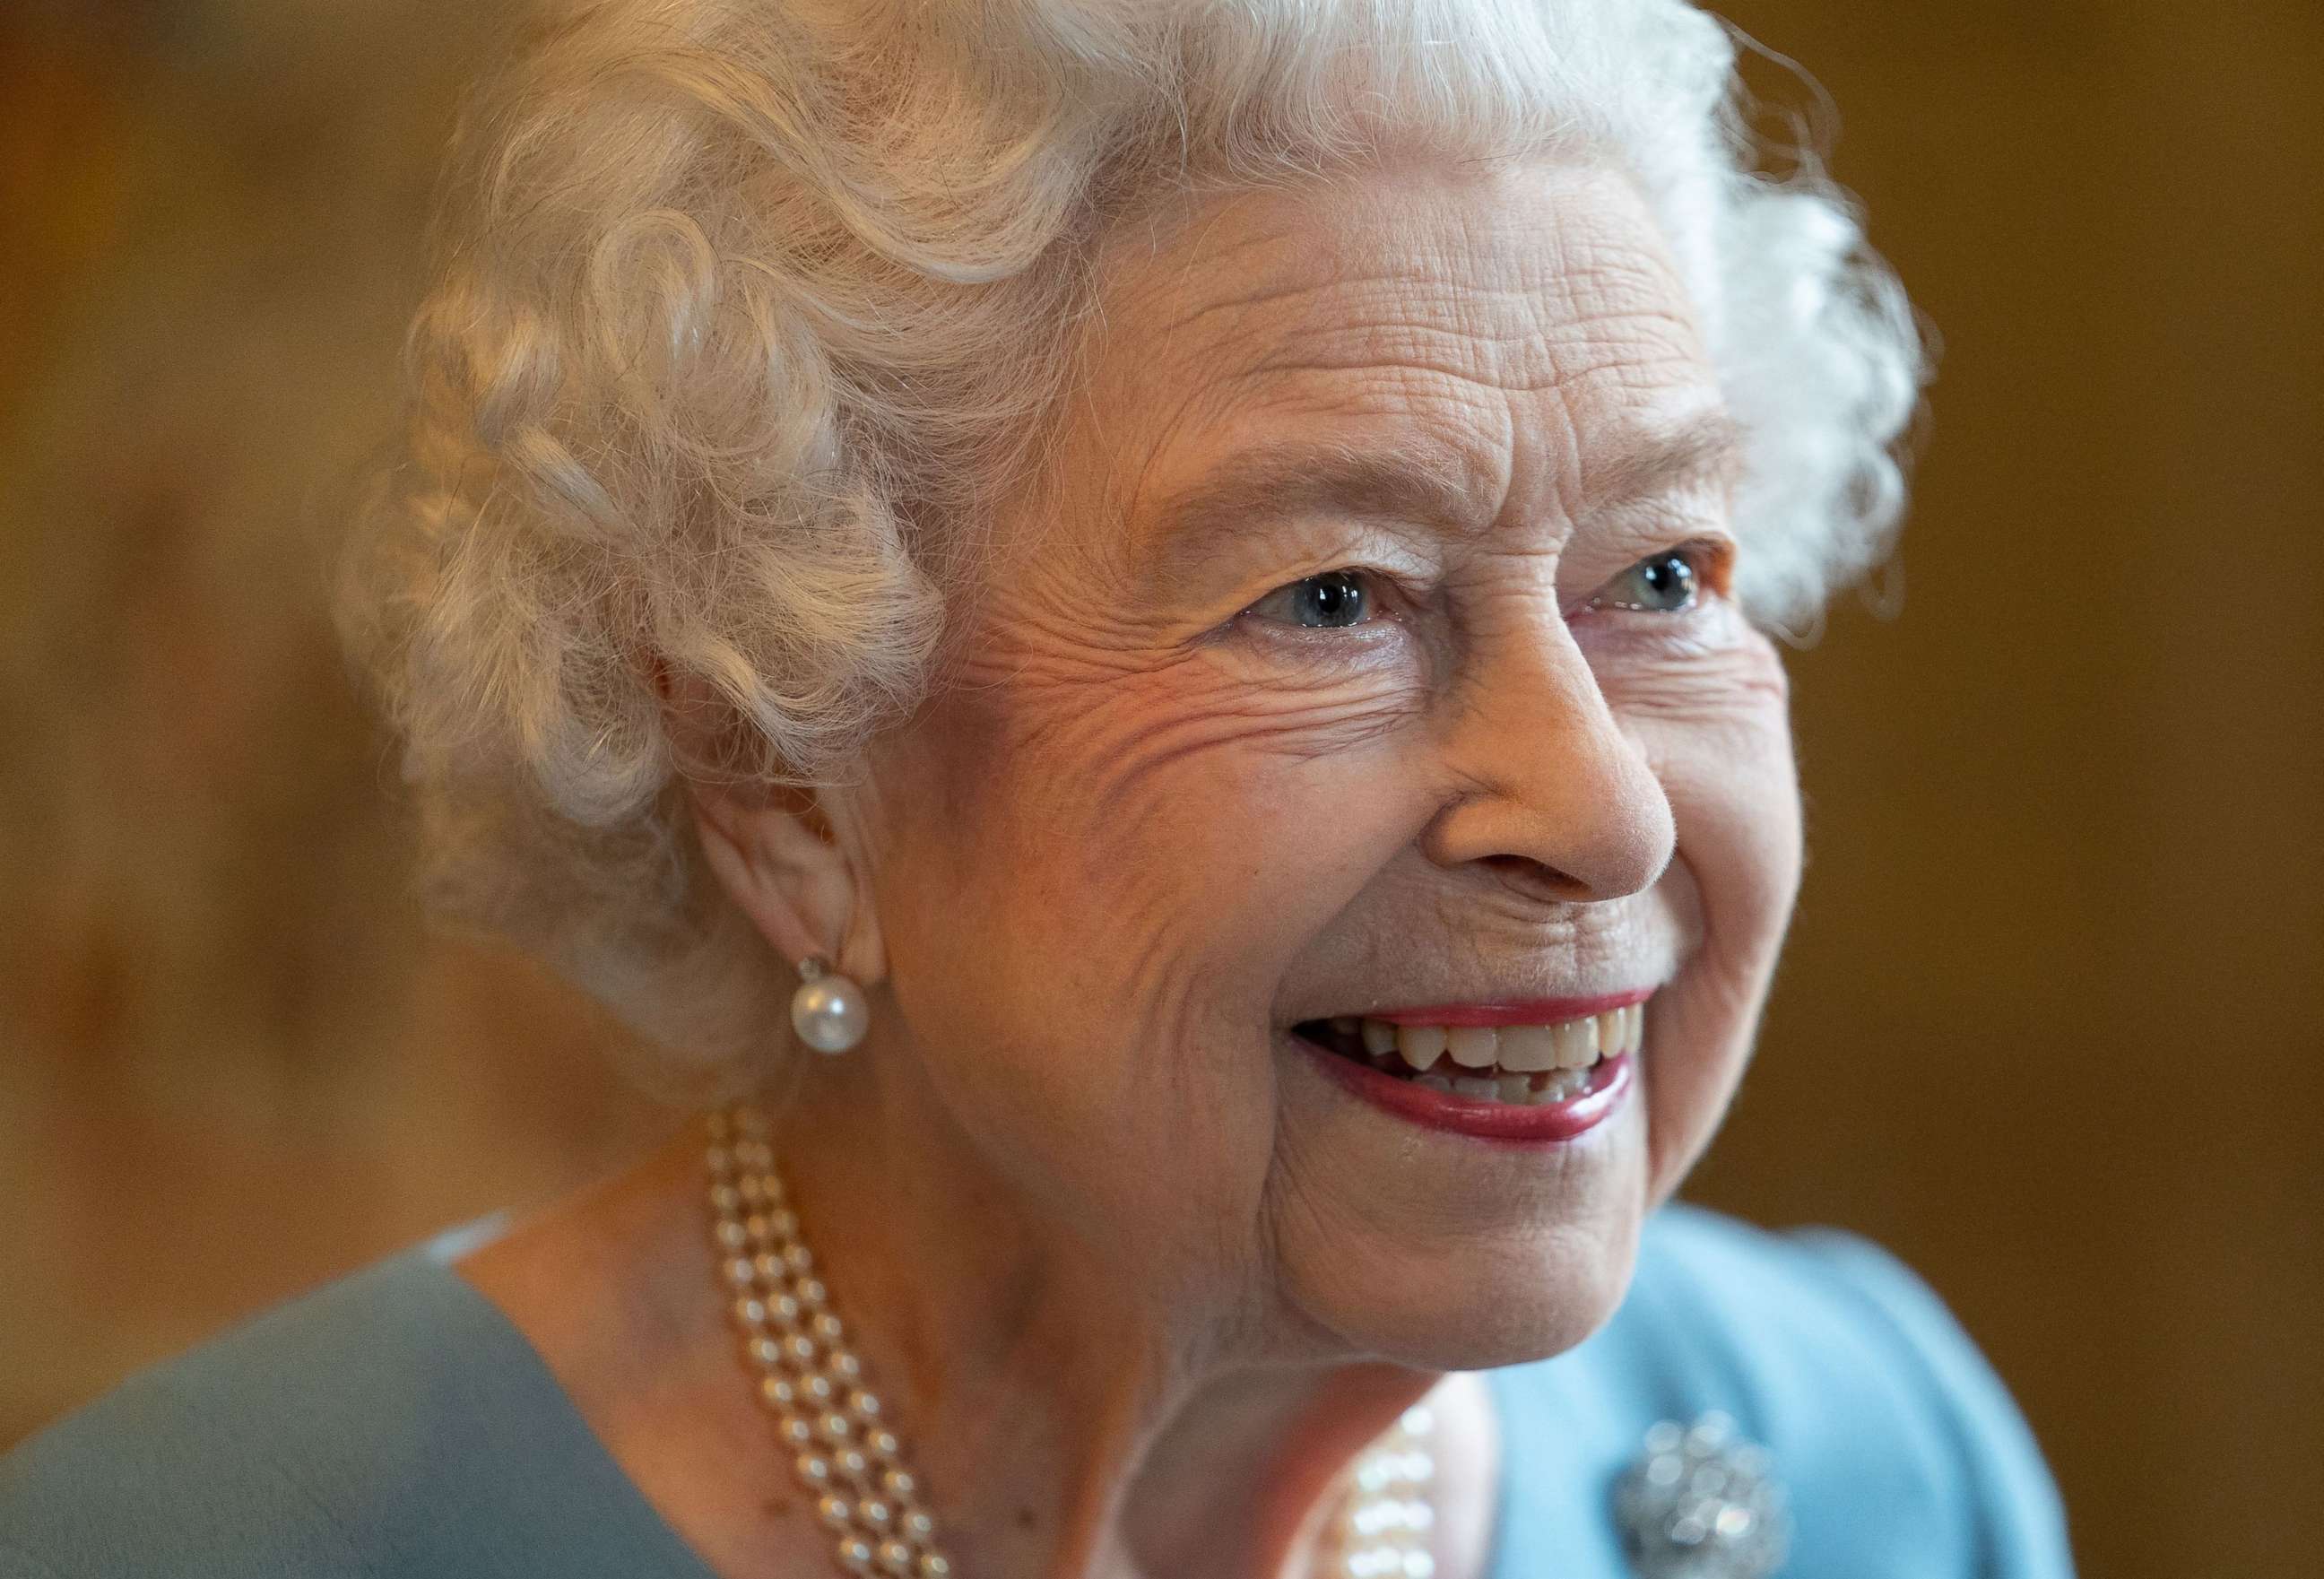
x=394 y=1426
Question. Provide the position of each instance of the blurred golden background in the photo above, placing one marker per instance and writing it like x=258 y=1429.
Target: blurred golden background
x=2052 y=1020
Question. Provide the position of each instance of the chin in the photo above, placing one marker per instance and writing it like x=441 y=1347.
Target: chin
x=1444 y=1286
x=1524 y=1306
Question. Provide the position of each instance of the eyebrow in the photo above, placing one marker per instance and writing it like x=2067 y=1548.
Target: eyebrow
x=1709 y=447
x=1302 y=477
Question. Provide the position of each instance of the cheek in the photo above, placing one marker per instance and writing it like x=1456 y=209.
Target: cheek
x=1717 y=727
x=1107 y=870
x=1735 y=797
x=1175 y=809
x=1717 y=732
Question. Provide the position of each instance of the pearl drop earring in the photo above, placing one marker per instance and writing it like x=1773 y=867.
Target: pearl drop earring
x=828 y=1011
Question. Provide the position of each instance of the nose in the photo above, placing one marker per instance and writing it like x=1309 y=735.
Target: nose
x=1552 y=791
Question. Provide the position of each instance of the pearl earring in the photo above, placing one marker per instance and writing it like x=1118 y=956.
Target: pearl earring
x=828 y=1011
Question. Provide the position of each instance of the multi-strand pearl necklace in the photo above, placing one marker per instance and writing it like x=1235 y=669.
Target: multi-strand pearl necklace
x=1384 y=1532
x=849 y=1461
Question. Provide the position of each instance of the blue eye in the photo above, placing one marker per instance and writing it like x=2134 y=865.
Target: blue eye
x=1664 y=584
x=1331 y=601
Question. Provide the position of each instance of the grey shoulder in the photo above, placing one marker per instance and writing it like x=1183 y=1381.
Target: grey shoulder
x=247 y=1451
x=390 y=1426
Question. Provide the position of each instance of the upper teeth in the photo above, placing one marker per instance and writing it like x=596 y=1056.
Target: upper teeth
x=1517 y=1049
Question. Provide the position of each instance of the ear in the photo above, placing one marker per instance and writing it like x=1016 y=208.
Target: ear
x=780 y=860
x=779 y=852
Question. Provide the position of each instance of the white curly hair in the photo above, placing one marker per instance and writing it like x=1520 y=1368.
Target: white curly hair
x=742 y=310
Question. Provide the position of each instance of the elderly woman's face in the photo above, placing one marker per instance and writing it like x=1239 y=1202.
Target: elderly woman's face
x=1377 y=663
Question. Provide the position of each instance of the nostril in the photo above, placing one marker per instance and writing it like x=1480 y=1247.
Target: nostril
x=1535 y=880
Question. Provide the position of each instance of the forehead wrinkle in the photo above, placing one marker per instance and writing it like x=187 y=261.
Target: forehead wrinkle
x=1257 y=296
x=1153 y=279
x=1600 y=466
x=1140 y=282
x=1591 y=309
x=1425 y=471
x=1392 y=291
x=1573 y=265
x=1568 y=353
x=1280 y=479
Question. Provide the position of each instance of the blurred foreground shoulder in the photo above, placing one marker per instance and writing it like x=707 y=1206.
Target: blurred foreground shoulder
x=1899 y=1450
x=390 y=1426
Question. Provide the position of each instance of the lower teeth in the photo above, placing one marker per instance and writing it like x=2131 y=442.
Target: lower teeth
x=1531 y=1090
x=1536 y=1088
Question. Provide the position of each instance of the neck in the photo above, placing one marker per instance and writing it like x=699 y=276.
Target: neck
x=1062 y=1424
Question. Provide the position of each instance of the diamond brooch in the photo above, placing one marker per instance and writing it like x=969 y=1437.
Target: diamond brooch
x=1700 y=1503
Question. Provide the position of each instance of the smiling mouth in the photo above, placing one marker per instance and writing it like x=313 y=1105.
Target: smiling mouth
x=1528 y=1065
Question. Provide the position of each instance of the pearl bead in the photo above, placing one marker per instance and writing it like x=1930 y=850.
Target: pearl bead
x=829 y=1014
x=835 y=1510
x=880 y=1440
x=900 y=1485
x=933 y=1566
x=918 y=1526
x=856 y=1553
x=895 y=1556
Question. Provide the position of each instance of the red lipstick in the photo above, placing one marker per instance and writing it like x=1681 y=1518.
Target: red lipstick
x=1563 y=1121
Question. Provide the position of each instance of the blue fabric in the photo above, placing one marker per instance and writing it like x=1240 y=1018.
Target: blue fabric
x=395 y=1425
x=1901 y=1451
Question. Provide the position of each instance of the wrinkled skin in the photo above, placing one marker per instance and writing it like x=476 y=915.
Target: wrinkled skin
x=1154 y=822
x=1148 y=833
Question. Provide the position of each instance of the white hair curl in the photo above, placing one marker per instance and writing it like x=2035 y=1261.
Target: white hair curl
x=742 y=308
